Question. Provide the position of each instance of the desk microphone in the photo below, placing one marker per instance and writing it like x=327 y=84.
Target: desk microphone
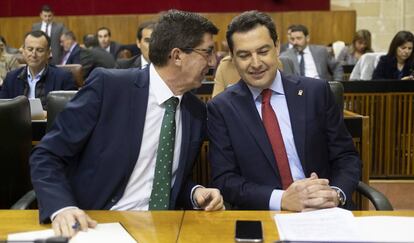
x=58 y=239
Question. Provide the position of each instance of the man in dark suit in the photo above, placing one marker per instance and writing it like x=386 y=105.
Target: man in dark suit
x=71 y=48
x=311 y=61
x=105 y=42
x=37 y=78
x=277 y=142
x=143 y=38
x=114 y=158
x=92 y=56
x=53 y=30
x=284 y=47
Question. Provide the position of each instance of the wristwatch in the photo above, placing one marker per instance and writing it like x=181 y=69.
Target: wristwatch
x=341 y=197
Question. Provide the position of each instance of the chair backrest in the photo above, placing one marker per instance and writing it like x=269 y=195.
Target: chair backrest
x=338 y=91
x=76 y=70
x=15 y=146
x=56 y=101
x=365 y=66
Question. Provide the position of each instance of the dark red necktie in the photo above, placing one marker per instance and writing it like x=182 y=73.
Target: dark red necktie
x=275 y=136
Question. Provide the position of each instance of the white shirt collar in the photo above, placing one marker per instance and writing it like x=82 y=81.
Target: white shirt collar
x=160 y=89
x=29 y=75
x=143 y=61
x=276 y=86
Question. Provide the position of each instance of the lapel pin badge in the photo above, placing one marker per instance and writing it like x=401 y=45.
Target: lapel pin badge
x=300 y=92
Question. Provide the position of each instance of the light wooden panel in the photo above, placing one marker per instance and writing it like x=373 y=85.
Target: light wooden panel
x=325 y=26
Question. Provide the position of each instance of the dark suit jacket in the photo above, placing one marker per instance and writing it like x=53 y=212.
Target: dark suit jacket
x=115 y=47
x=387 y=69
x=133 y=62
x=93 y=58
x=53 y=78
x=326 y=66
x=243 y=166
x=74 y=57
x=57 y=30
x=89 y=154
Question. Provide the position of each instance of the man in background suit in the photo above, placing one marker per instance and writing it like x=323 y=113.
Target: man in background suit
x=122 y=152
x=105 y=42
x=277 y=142
x=284 y=47
x=37 y=78
x=317 y=63
x=71 y=48
x=143 y=38
x=53 y=30
x=92 y=56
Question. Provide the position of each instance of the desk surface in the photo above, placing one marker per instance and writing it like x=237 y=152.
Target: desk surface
x=169 y=226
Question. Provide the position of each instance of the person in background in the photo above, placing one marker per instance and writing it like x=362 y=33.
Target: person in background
x=92 y=56
x=53 y=29
x=105 y=42
x=7 y=62
x=399 y=61
x=361 y=44
x=309 y=60
x=289 y=43
x=277 y=141
x=37 y=78
x=71 y=48
x=8 y=49
x=139 y=133
x=143 y=38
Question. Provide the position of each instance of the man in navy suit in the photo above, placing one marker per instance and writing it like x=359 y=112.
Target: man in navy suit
x=104 y=38
x=71 y=48
x=307 y=159
x=37 y=78
x=101 y=152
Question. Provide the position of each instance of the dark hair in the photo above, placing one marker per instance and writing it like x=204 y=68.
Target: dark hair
x=38 y=34
x=46 y=8
x=70 y=35
x=145 y=25
x=248 y=21
x=300 y=28
x=363 y=35
x=3 y=40
x=104 y=28
x=177 y=29
x=90 y=40
x=399 y=39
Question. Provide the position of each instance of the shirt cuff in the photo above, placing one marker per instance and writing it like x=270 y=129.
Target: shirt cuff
x=193 y=201
x=275 y=202
x=340 y=191
x=61 y=210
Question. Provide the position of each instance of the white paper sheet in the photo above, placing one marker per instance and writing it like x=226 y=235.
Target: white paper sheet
x=103 y=233
x=339 y=225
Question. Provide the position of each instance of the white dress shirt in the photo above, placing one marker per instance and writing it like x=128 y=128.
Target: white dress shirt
x=32 y=81
x=49 y=28
x=144 y=62
x=310 y=67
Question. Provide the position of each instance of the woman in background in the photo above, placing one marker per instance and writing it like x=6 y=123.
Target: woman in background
x=7 y=62
x=361 y=44
x=399 y=61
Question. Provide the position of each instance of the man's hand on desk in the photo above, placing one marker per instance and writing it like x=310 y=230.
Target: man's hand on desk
x=209 y=199
x=309 y=194
x=69 y=221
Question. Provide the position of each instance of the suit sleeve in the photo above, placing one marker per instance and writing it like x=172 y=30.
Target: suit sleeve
x=4 y=90
x=69 y=82
x=62 y=146
x=335 y=67
x=226 y=175
x=379 y=71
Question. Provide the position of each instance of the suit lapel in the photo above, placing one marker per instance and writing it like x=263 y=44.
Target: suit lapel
x=243 y=103
x=295 y=94
x=138 y=106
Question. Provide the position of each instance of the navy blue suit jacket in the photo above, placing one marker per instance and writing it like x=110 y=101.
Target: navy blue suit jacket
x=243 y=165
x=89 y=154
x=53 y=78
x=74 y=57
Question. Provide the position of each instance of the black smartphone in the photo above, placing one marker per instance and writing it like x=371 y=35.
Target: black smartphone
x=249 y=231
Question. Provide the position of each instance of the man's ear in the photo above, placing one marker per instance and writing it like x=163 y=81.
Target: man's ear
x=138 y=44
x=176 y=56
x=308 y=39
x=277 y=46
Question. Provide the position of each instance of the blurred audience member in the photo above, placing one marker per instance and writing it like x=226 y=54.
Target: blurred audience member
x=105 y=42
x=143 y=38
x=399 y=61
x=309 y=60
x=7 y=62
x=361 y=44
x=53 y=30
x=92 y=56
x=37 y=78
x=8 y=49
x=289 y=44
x=71 y=48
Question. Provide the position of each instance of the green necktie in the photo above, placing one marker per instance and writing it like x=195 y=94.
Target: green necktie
x=160 y=195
